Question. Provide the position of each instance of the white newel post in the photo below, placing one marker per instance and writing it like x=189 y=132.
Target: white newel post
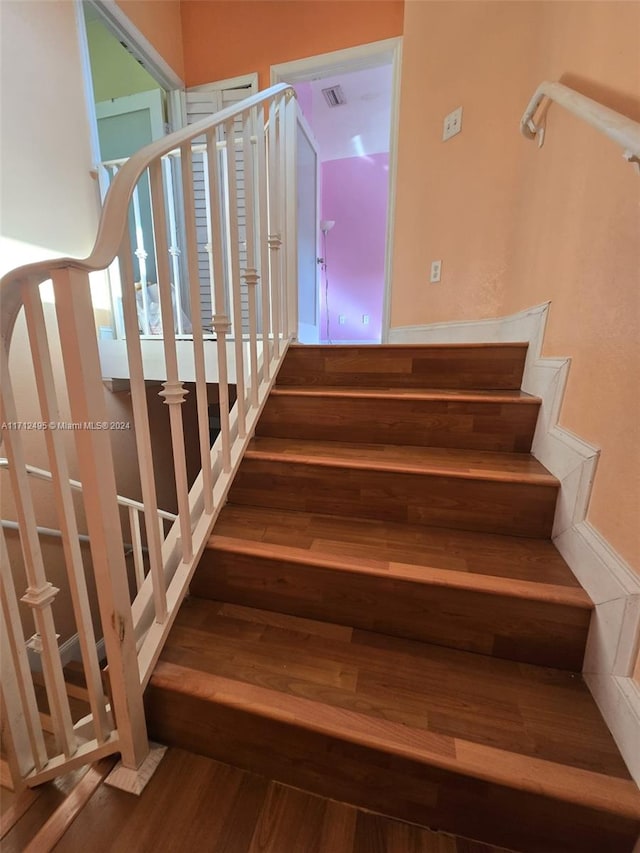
x=87 y=403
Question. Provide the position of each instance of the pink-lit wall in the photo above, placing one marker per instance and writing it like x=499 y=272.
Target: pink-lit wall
x=355 y=195
x=305 y=100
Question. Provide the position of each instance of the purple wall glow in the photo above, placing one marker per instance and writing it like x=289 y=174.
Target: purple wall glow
x=355 y=194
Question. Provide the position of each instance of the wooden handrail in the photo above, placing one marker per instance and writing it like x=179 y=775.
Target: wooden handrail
x=617 y=127
x=114 y=213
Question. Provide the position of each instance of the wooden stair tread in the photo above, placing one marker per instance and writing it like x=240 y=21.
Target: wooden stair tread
x=615 y=795
x=465 y=464
x=532 y=590
x=416 y=365
x=431 y=691
x=394 y=548
x=453 y=395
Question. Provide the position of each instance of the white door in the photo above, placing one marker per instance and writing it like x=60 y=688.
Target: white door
x=308 y=220
x=201 y=102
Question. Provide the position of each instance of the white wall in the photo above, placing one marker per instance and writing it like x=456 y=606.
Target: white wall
x=45 y=155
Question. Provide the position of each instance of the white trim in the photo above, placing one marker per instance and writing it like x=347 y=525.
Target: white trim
x=87 y=82
x=230 y=83
x=613 y=586
x=372 y=55
x=391 y=200
x=337 y=62
x=310 y=334
x=138 y=44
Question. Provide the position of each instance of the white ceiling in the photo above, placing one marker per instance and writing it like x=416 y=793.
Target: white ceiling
x=361 y=126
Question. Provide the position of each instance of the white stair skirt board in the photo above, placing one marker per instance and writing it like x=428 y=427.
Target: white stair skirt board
x=135 y=781
x=614 y=587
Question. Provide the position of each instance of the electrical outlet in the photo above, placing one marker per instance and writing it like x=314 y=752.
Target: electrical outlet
x=436 y=272
x=342 y=319
x=452 y=124
x=365 y=319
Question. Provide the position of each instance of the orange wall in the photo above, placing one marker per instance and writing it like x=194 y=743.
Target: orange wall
x=159 y=21
x=228 y=38
x=516 y=225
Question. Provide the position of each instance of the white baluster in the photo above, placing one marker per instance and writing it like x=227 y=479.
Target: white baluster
x=236 y=292
x=40 y=593
x=64 y=503
x=142 y=432
x=141 y=255
x=173 y=391
x=251 y=273
x=174 y=244
x=221 y=323
x=87 y=403
x=21 y=708
x=208 y=246
x=263 y=245
x=202 y=402
x=136 y=545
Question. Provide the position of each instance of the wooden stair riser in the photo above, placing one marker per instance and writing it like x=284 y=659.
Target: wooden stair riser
x=492 y=425
x=492 y=506
x=484 y=366
x=370 y=777
x=531 y=631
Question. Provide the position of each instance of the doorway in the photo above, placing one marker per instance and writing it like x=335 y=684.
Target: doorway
x=349 y=100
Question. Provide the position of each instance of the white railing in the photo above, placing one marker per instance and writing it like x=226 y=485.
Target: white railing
x=254 y=299
x=617 y=127
x=135 y=512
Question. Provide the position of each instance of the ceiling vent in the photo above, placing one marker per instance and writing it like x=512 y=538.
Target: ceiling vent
x=334 y=96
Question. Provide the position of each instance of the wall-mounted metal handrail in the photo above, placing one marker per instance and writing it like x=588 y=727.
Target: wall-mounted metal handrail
x=617 y=127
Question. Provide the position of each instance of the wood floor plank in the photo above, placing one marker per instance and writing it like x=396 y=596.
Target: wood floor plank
x=234 y=812
x=405 y=774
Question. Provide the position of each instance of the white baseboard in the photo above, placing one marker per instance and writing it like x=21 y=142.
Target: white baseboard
x=614 y=635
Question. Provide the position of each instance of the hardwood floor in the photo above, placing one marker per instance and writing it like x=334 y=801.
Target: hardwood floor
x=380 y=616
x=195 y=804
x=433 y=736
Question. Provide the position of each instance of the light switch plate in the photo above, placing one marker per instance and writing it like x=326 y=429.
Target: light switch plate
x=452 y=124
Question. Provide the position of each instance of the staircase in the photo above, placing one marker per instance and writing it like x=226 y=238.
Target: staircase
x=380 y=616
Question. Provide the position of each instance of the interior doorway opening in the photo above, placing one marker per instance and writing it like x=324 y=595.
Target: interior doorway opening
x=349 y=103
